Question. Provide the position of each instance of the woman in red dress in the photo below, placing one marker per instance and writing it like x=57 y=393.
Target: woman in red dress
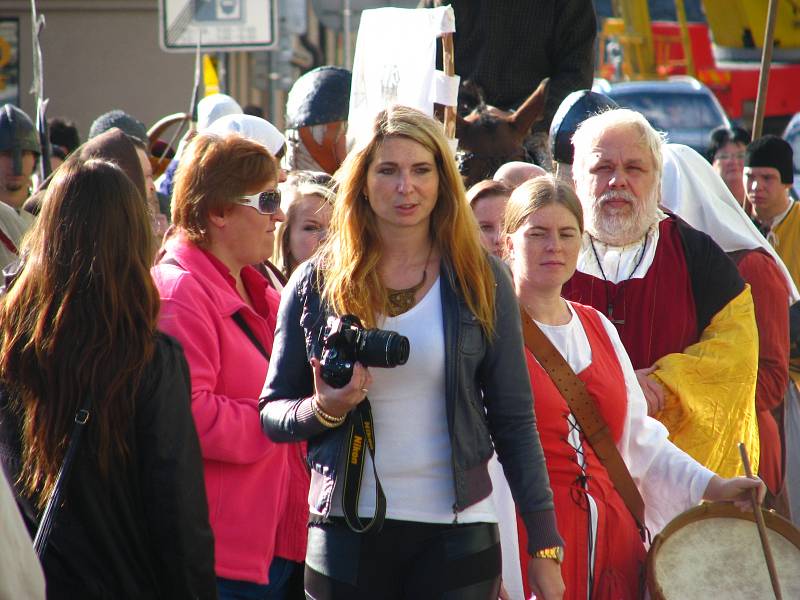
x=604 y=553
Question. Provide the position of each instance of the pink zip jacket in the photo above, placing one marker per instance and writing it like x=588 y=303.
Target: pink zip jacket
x=245 y=473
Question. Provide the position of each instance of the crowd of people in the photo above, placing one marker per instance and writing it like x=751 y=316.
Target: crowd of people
x=345 y=378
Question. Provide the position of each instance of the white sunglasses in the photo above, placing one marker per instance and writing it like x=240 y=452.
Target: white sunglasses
x=266 y=203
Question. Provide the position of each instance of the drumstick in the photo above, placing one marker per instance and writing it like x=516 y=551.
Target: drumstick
x=762 y=528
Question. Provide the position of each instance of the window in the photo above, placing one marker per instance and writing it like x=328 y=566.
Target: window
x=670 y=111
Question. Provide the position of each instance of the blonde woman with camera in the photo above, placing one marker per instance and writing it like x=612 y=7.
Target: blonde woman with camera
x=411 y=517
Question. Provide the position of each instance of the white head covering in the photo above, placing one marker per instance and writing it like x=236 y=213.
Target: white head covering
x=253 y=128
x=209 y=109
x=696 y=193
x=214 y=107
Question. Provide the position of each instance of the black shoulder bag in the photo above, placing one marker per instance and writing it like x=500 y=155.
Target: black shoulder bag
x=53 y=503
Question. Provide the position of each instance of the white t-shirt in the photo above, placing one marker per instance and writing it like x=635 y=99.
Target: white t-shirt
x=413 y=451
x=20 y=572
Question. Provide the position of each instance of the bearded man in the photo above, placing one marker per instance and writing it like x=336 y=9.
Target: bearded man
x=682 y=311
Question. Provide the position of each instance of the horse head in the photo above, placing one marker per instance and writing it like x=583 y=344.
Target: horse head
x=489 y=137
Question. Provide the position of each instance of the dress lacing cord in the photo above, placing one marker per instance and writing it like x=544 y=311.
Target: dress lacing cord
x=579 y=491
x=574 y=439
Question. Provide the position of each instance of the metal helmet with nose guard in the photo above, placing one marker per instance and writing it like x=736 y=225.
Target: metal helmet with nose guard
x=17 y=135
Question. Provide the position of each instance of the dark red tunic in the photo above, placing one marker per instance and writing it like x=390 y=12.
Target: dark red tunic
x=654 y=315
x=619 y=552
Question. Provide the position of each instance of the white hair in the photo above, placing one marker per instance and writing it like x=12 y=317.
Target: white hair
x=588 y=132
x=613 y=227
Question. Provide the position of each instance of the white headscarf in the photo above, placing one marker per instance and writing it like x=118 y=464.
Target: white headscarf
x=696 y=193
x=214 y=107
x=209 y=109
x=253 y=128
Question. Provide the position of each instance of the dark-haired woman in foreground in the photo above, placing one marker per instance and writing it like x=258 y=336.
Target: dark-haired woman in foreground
x=79 y=322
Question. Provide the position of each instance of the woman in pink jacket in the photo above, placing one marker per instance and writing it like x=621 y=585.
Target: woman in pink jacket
x=225 y=209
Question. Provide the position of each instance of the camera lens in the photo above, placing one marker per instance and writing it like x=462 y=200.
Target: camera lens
x=379 y=348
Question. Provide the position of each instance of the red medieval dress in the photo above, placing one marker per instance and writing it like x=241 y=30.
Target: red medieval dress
x=770 y=290
x=592 y=518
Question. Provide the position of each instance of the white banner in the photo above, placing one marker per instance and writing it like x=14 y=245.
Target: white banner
x=395 y=63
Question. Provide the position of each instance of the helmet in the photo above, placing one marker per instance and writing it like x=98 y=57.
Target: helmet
x=574 y=110
x=320 y=96
x=17 y=134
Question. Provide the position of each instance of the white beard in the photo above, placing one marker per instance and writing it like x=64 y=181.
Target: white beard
x=620 y=227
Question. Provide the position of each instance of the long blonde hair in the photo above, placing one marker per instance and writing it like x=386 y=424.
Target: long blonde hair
x=349 y=258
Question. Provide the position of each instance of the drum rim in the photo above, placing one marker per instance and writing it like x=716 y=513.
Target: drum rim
x=713 y=510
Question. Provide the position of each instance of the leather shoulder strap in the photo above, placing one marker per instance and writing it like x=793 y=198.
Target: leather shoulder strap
x=583 y=406
x=6 y=241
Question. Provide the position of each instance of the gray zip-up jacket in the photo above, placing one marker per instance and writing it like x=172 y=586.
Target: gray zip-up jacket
x=488 y=397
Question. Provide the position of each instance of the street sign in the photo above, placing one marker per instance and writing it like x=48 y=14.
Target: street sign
x=221 y=25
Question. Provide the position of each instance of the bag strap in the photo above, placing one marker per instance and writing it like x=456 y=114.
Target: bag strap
x=237 y=317
x=51 y=509
x=239 y=320
x=6 y=241
x=276 y=273
x=584 y=407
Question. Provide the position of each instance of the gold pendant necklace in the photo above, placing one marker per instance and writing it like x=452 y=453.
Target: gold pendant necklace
x=401 y=301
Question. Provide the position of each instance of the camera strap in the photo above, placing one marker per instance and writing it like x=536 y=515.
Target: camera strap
x=361 y=438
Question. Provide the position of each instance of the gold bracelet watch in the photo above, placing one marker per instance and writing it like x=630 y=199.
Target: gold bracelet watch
x=555 y=552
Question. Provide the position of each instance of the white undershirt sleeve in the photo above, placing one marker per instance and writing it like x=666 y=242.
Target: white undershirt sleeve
x=669 y=480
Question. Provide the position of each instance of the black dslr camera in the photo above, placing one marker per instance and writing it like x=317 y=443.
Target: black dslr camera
x=346 y=341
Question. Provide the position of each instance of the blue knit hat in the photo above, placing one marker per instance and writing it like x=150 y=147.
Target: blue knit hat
x=121 y=120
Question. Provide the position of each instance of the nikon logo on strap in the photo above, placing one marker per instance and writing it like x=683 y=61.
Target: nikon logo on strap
x=355 y=449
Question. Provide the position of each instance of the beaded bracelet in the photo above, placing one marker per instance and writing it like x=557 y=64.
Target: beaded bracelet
x=324 y=418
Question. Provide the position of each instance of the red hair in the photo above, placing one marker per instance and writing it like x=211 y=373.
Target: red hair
x=213 y=172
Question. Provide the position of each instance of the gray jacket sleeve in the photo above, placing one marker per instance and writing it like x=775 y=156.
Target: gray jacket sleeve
x=509 y=408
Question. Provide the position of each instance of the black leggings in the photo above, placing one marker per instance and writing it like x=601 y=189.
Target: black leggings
x=406 y=560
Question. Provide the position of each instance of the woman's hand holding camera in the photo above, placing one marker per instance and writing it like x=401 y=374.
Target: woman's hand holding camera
x=337 y=402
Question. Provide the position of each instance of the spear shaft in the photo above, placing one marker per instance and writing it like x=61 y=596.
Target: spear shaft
x=37 y=25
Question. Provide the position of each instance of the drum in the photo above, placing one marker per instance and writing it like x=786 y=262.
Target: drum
x=714 y=551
